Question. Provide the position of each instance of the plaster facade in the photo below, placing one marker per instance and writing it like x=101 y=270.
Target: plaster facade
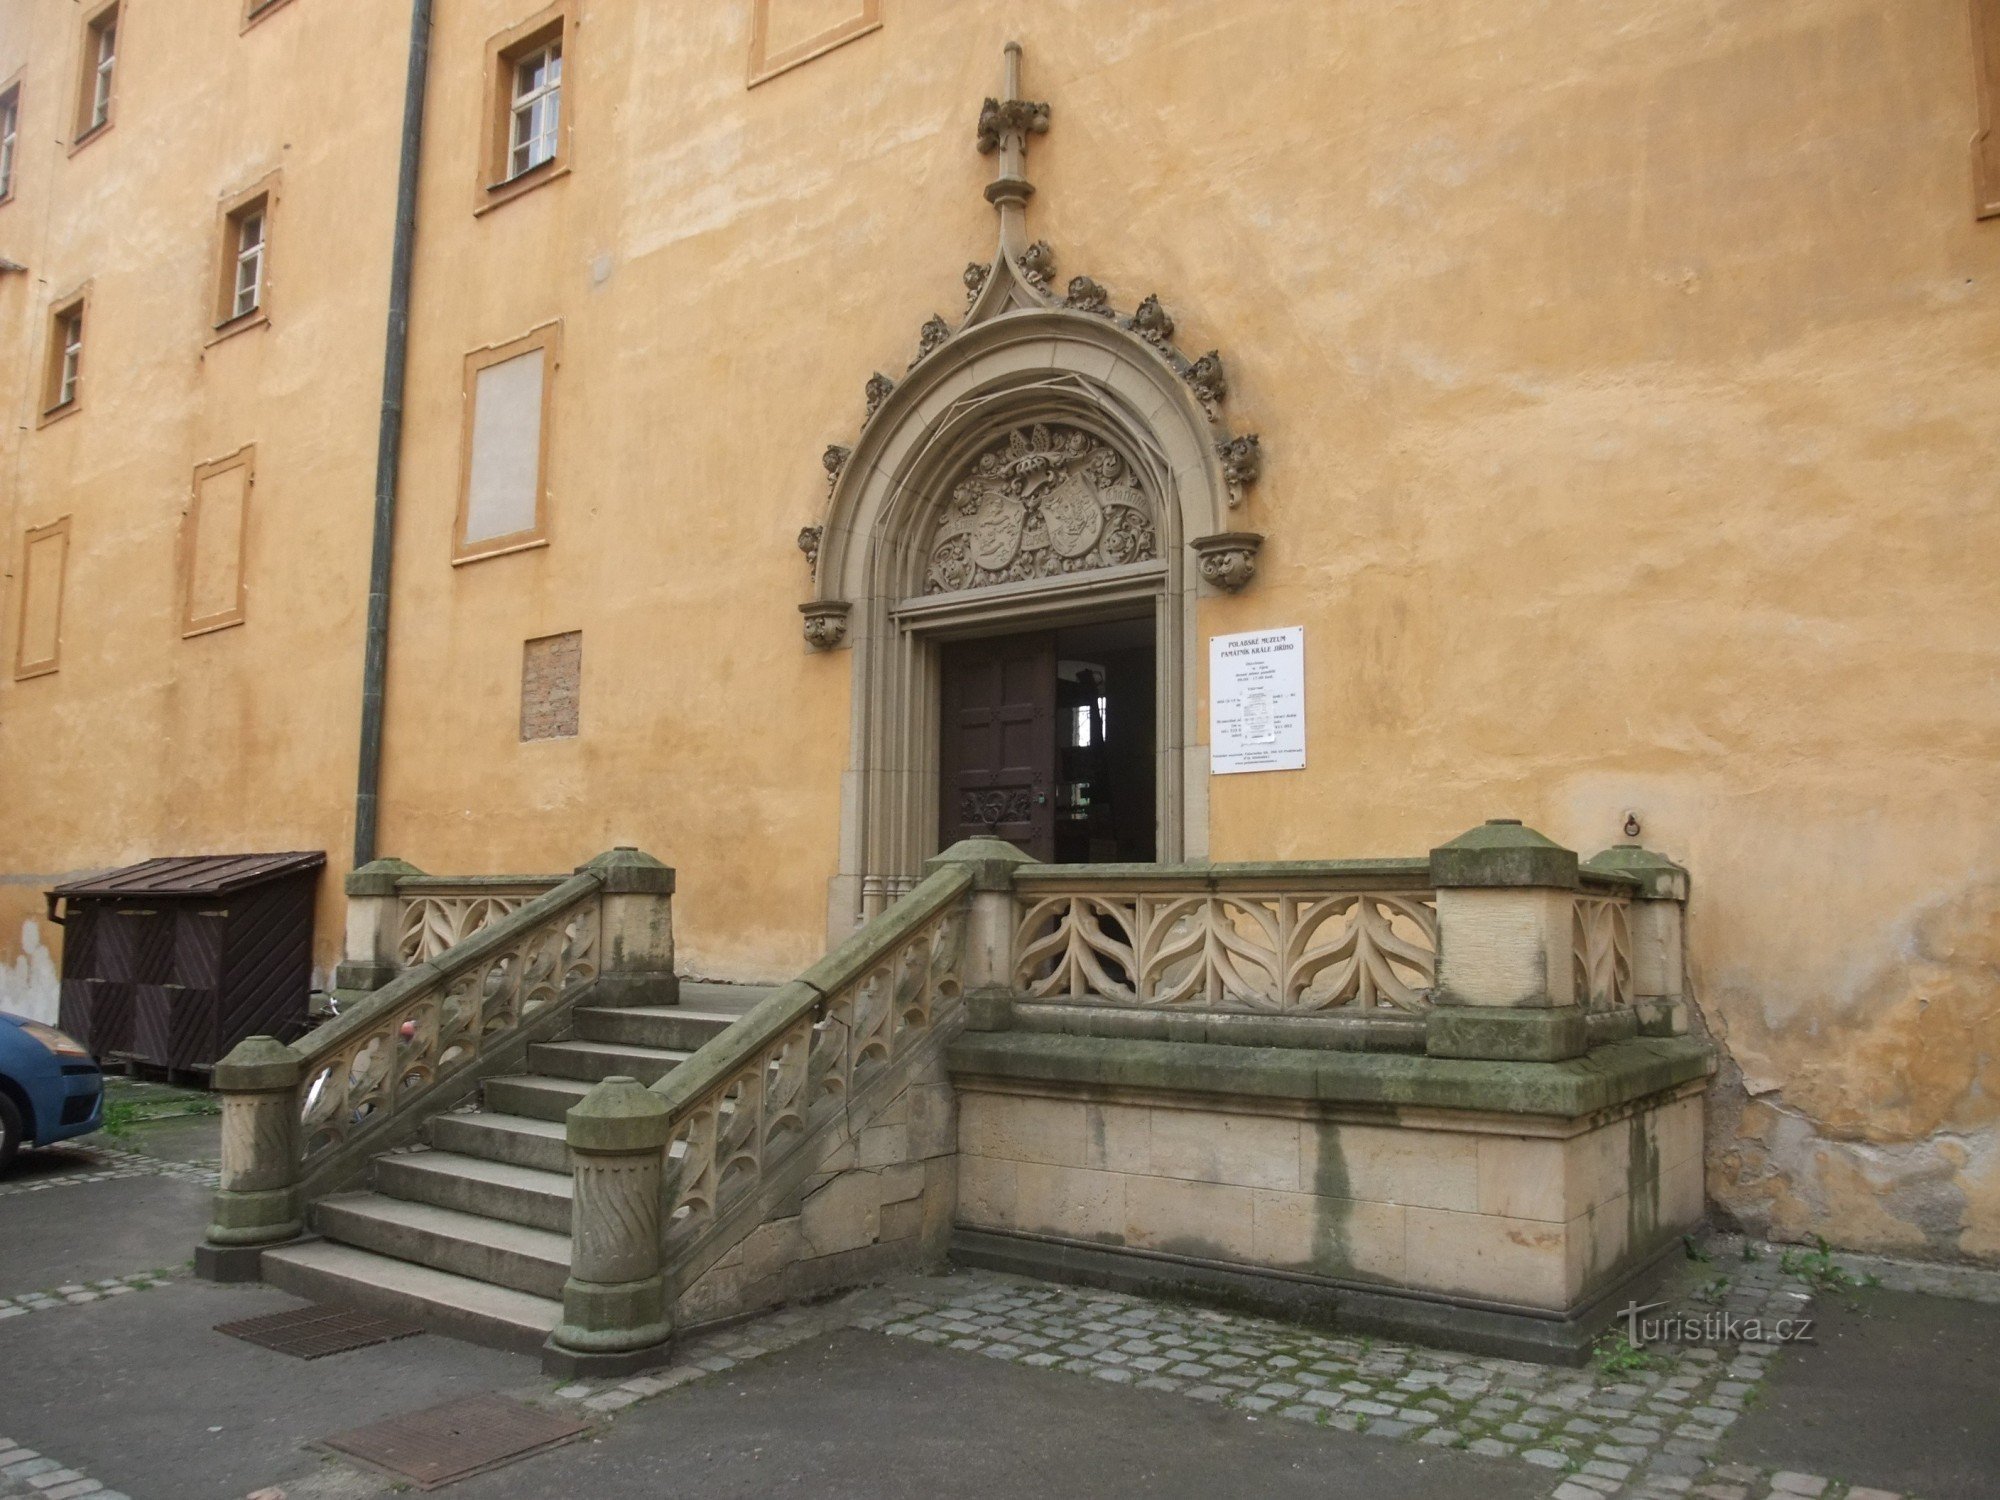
x=1627 y=399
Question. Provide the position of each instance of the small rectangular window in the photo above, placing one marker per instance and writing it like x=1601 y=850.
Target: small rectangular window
x=537 y=109
x=10 y=135
x=100 y=73
x=1986 y=77
x=249 y=264
x=503 y=488
x=527 y=114
x=242 y=276
x=63 y=385
x=44 y=562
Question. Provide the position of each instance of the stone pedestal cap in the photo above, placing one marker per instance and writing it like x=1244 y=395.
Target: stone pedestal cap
x=993 y=862
x=619 y=1115
x=1660 y=879
x=258 y=1064
x=379 y=876
x=631 y=872
x=1500 y=852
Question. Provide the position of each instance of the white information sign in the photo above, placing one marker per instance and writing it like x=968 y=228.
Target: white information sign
x=1257 y=701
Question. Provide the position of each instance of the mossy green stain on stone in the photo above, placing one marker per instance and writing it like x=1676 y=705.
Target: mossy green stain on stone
x=1333 y=1205
x=1642 y=1184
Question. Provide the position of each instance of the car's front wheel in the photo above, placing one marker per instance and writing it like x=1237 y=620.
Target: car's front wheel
x=10 y=1132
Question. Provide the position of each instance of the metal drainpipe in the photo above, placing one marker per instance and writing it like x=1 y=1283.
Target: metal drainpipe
x=389 y=437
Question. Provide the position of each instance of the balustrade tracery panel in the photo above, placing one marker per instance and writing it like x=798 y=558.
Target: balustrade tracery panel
x=726 y=1139
x=1298 y=951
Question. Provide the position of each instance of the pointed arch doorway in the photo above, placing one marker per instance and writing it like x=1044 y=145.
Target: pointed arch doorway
x=1048 y=471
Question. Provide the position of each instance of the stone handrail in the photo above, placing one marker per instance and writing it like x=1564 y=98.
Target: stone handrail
x=385 y=1054
x=747 y=1099
x=438 y=912
x=1295 y=938
x=300 y=1120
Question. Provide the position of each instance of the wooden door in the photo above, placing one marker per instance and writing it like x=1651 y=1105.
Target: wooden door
x=996 y=762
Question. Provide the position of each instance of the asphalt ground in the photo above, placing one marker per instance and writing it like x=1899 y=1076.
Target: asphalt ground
x=1898 y=1392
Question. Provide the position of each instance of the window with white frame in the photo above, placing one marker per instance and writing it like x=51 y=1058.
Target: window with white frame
x=66 y=357
x=537 y=109
x=248 y=288
x=10 y=131
x=100 y=65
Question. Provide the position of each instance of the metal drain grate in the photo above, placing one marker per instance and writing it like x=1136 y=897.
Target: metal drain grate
x=455 y=1441
x=314 y=1331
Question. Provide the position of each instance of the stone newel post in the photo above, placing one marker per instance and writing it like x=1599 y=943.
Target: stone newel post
x=374 y=925
x=1506 y=984
x=638 y=932
x=258 y=1202
x=615 y=1313
x=1658 y=918
x=989 y=935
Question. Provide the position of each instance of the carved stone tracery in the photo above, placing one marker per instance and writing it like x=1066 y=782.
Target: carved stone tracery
x=1045 y=501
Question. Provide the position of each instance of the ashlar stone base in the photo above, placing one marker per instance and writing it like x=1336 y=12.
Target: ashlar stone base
x=1501 y=1225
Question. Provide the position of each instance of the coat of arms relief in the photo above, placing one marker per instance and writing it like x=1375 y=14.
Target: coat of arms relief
x=1046 y=501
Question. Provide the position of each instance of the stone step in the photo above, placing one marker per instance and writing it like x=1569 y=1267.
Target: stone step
x=668 y=1026
x=537 y=1097
x=722 y=999
x=497 y=1316
x=592 y=1061
x=474 y=1185
x=518 y=1139
x=534 y=1261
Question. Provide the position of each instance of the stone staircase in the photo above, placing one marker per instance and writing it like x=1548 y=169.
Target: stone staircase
x=470 y=1234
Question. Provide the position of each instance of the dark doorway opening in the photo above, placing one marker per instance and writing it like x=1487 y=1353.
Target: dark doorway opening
x=1047 y=740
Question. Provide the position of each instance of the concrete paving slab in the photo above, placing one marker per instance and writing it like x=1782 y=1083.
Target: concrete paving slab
x=1897 y=1393
x=860 y=1415
x=86 y=1231
x=140 y=1393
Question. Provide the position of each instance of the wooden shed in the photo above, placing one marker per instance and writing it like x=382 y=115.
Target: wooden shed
x=171 y=962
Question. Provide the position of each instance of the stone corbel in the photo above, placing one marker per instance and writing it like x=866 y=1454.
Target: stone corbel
x=1229 y=558
x=825 y=622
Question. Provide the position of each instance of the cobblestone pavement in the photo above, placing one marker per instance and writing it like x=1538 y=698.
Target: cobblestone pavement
x=26 y=1473
x=74 y=1293
x=1639 y=1423
x=1644 y=1424
x=69 y=1166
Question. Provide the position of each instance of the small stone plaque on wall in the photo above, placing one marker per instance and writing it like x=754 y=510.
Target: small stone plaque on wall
x=551 y=686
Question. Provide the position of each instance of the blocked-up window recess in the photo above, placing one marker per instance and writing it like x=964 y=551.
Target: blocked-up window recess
x=214 y=539
x=38 y=629
x=785 y=33
x=552 y=686
x=504 y=489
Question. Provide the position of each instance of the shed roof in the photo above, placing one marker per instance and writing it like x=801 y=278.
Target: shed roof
x=194 y=874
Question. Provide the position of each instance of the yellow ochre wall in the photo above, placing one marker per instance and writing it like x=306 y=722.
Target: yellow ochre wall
x=1628 y=389
x=143 y=743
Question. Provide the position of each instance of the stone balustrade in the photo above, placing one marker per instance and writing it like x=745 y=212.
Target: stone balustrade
x=399 y=917
x=303 y=1120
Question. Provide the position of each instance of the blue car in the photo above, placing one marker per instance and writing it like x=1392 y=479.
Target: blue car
x=50 y=1087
